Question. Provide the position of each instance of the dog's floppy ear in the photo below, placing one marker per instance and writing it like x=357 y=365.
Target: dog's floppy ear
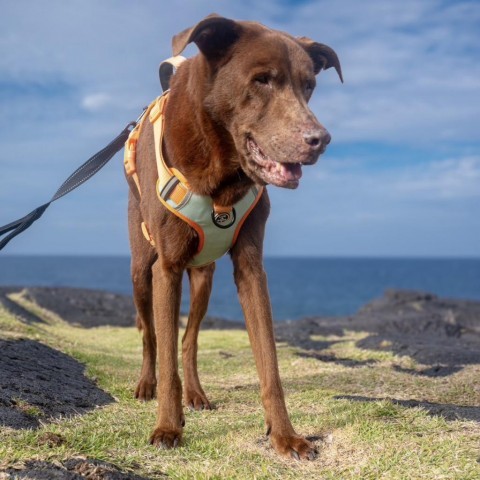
x=322 y=55
x=213 y=36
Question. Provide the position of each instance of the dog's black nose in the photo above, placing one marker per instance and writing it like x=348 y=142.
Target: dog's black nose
x=317 y=138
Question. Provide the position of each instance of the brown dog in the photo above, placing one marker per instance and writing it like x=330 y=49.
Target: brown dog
x=237 y=116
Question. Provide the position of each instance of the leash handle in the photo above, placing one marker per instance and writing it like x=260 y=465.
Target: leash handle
x=77 y=178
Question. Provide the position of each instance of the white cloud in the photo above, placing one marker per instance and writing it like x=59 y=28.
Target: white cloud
x=449 y=179
x=95 y=101
x=410 y=68
x=412 y=78
x=343 y=208
x=445 y=179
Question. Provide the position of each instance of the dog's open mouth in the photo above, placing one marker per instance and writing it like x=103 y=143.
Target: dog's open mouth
x=273 y=172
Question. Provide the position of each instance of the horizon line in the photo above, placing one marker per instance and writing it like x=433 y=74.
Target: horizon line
x=266 y=257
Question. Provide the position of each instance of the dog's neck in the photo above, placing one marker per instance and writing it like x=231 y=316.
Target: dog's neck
x=205 y=153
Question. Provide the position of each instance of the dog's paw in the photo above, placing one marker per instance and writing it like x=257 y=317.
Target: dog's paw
x=165 y=438
x=196 y=400
x=293 y=446
x=146 y=389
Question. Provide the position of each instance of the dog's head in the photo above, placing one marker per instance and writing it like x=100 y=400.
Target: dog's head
x=259 y=84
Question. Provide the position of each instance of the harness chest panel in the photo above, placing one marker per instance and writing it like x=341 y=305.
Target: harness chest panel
x=217 y=227
x=217 y=232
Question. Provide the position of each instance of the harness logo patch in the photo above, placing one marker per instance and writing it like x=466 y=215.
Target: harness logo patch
x=224 y=219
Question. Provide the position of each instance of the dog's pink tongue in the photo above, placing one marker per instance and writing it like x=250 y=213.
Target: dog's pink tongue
x=290 y=171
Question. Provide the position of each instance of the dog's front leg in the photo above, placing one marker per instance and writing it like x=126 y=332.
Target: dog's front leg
x=200 y=288
x=251 y=282
x=167 y=289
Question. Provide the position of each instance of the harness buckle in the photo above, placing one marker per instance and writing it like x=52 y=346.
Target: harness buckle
x=158 y=108
x=130 y=155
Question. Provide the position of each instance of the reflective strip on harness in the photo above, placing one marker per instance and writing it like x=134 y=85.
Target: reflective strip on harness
x=217 y=232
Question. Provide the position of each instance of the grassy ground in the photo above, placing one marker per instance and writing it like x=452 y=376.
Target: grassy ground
x=359 y=436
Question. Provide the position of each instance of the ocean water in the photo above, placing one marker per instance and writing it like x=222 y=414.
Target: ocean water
x=299 y=287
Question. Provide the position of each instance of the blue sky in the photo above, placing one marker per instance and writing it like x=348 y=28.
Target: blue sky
x=400 y=178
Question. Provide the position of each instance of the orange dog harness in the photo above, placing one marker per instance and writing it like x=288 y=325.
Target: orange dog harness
x=217 y=226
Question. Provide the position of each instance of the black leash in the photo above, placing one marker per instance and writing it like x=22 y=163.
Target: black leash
x=79 y=176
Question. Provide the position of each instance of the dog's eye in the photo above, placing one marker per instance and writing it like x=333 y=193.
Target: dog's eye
x=263 y=79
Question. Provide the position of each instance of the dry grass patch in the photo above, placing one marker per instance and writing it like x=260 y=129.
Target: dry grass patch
x=350 y=409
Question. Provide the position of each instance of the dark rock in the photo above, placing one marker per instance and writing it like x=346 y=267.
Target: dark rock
x=40 y=383
x=445 y=410
x=87 y=308
x=72 y=469
x=215 y=323
x=14 y=309
x=442 y=333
